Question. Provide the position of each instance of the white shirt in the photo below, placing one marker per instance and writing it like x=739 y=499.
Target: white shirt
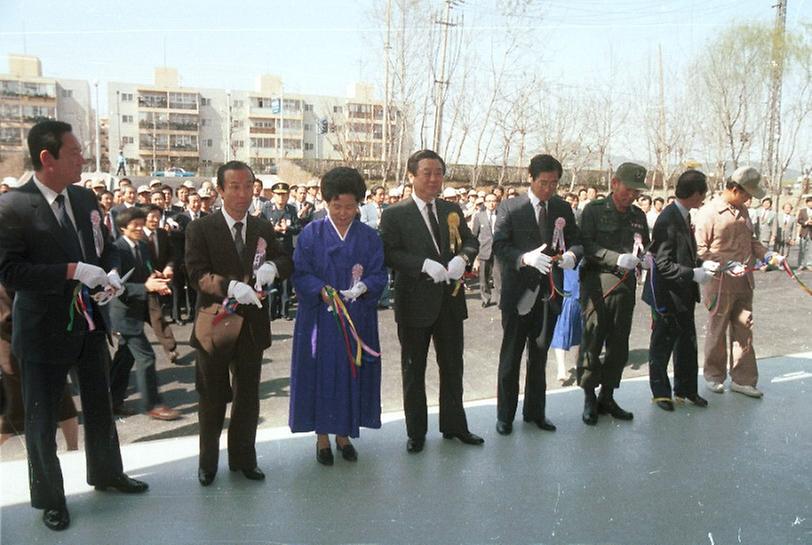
x=50 y=197
x=147 y=233
x=421 y=206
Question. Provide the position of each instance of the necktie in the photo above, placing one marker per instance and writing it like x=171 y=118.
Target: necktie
x=153 y=242
x=68 y=229
x=108 y=222
x=435 y=227
x=141 y=272
x=543 y=223
x=238 y=241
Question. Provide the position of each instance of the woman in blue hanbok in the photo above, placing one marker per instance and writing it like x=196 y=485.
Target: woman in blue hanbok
x=335 y=378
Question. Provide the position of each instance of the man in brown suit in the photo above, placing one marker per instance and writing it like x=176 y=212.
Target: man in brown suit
x=230 y=256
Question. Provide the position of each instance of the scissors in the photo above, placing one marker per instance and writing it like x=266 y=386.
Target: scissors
x=109 y=293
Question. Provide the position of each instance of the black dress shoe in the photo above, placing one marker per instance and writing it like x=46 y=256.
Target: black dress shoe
x=254 y=474
x=205 y=477
x=415 y=445
x=121 y=410
x=545 y=424
x=611 y=407
x=56 y=519
x=590 y=416
x=125 y=485
x=504 y=428
x=466 y=437
x=665 y=404
x=696 y=399
x=347 y=452
x=324 y=456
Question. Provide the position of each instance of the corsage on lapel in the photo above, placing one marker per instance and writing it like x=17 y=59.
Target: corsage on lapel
x=454 y=238
x=98 y=237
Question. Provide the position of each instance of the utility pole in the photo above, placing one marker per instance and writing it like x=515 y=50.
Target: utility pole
x=98 y=129
x=773 y=160
x=386 y=95
x=442 y=83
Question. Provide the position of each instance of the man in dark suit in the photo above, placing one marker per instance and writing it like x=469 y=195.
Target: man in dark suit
x=531 y=231
x=162 y=263
x=672 y=291
x=427 y=245
x=128 y=314
x=231 y=255
x=482 y=228
x=183 y=295
x=53 y=250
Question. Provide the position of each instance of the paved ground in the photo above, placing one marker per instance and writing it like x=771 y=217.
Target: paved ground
x=736 y=472
x=783 y=314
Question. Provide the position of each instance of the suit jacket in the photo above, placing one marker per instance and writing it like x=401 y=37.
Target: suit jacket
x=166 y=254
x=33 y=262
x=674 y=250
x=129 y=311
x=274 y=214
x=212 y=263
x=517 y=232
x=803 y=217
x=481 y=228
x=407 y=243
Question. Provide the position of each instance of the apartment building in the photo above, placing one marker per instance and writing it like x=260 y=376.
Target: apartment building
x=27 y=97
x=162 y=125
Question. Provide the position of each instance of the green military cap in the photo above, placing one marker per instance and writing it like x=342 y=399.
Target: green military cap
x=632 y=176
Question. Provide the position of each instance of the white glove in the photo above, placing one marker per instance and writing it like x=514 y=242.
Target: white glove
x=116 y=286
x=702 y=276
x=710 y=266
x=354 y=292
x=774 y=258
x=567 y=261
x=456 y=268
x=627 y=261
x=91 y=275
x=243 y=293
x=265 y=275
x=436 y=271
x=737 y=269
x=539 y=260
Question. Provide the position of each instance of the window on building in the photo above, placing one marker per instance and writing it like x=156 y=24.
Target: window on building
x=205 y=101
x=67 y=93
x=308 y=127
x=126 y=97
x=308 y=146
x=336 y=109
x=308 y=107
x=127 y=140
x=237 y=104
x=204 y=122
x=208 y=143
x=126 y=119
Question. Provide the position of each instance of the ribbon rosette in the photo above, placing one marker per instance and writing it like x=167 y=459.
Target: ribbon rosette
x=259 y=256
x=98 y=237
x=558 y=236
x=454 y=238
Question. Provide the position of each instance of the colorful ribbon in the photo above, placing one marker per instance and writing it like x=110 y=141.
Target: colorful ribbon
x=79 y=305
x=347 y=327
x=794 y=276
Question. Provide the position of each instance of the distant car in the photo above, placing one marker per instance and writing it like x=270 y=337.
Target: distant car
x=173 y=172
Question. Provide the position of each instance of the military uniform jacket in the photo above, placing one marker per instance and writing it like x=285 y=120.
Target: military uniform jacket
x=274 y=214
x=606 y=233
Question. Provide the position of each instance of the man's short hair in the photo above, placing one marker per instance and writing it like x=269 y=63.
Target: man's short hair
x=125 y=181
x=765 y=199
x=150 y=208
x=376 y=188
x=658 y=200
x=416 y=157
x=103 y=193
x=124 y=217
x=645 y=198
x=157 y=192
x=690 y=183
x=544 y=163
x=46 y=135
x=231 y=165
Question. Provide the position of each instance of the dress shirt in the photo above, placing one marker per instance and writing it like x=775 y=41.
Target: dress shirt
x=231 y=221
x=421 y=206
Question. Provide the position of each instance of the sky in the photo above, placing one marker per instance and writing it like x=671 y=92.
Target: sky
x=322 y=46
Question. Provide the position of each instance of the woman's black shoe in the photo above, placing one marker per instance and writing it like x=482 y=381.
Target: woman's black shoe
x=324 y=456
x=347 y=452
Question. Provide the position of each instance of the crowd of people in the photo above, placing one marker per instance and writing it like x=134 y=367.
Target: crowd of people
x=235 y=254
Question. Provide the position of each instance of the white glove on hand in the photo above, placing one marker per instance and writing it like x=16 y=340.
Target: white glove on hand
x=116 y=286
x=702 y=276
x=265 y=275
x=774 y=258
x=627 y=261
x=710 y=266
x=91 y=275
x=456 y=268
x=567 y=261
x=243 y=293
x=540 y=261
x=354 y=292
x=436 y=271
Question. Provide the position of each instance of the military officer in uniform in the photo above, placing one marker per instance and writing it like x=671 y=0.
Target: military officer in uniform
x=285 y=220
x=615 y=235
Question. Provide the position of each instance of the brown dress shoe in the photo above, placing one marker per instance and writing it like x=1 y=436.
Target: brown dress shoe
x=160 y=412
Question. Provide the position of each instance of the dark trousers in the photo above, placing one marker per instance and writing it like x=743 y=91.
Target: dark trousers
x=489 y=272
x=675 y=333
x=447 y=334
x=606 y=321
x=43 y=390
x=535 y=331
x=160 y=327
x=280 y=299
x=183 y=296
x=134 y=350
x=220 y=381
